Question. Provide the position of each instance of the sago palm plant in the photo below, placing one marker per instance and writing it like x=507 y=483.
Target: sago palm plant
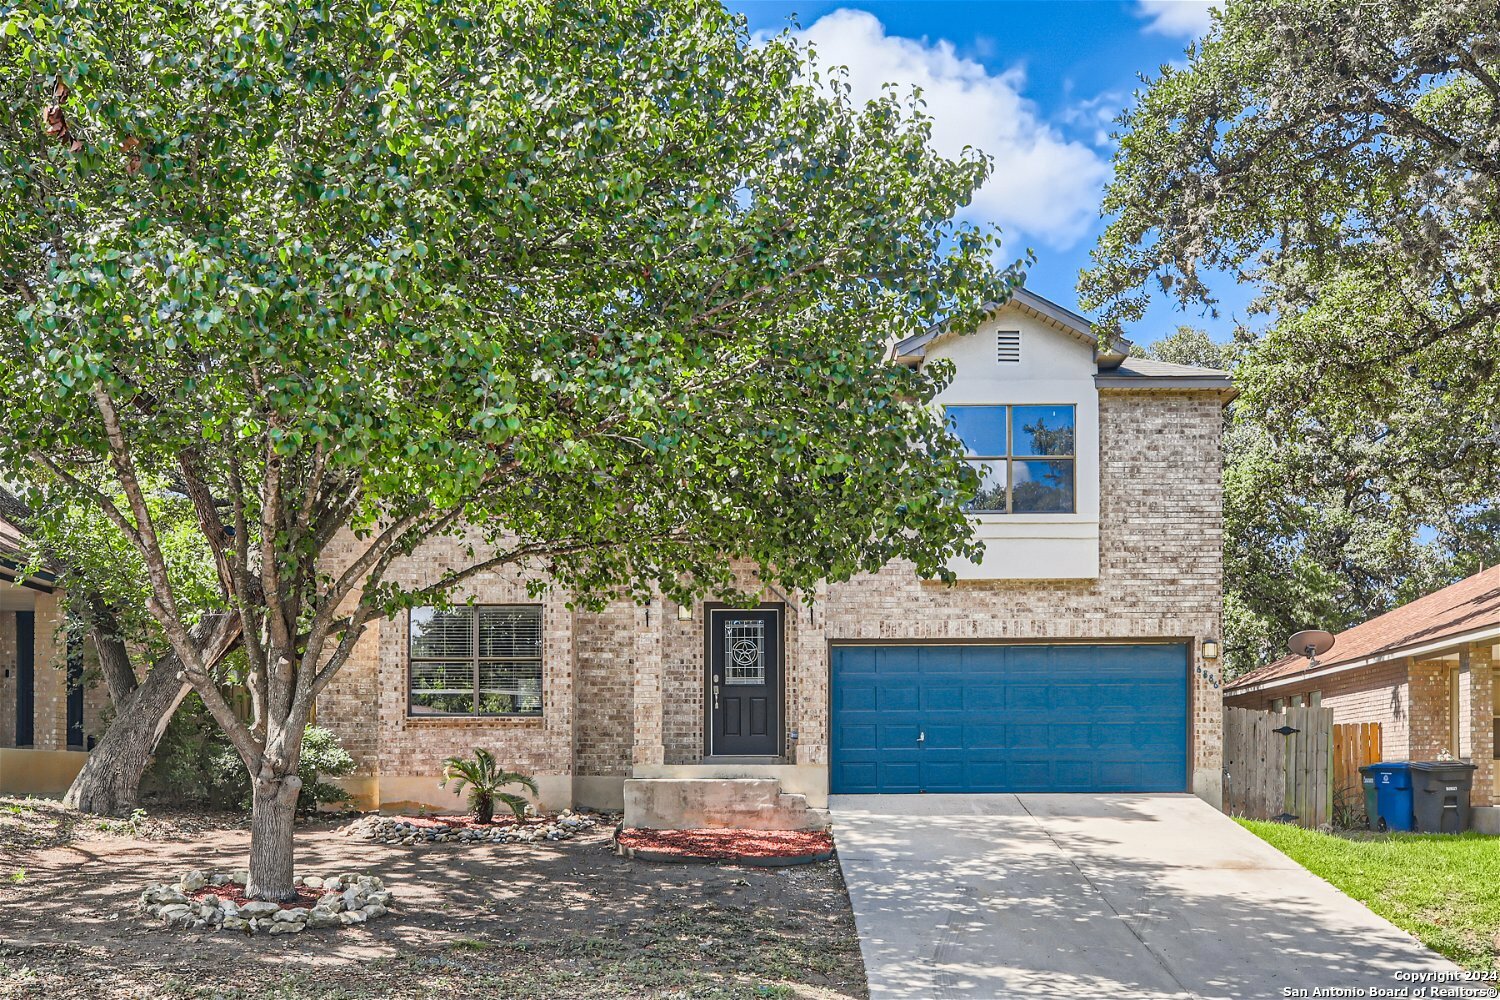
x=484 y=778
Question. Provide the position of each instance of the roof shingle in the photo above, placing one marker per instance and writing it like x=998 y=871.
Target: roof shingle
x=1464 y=607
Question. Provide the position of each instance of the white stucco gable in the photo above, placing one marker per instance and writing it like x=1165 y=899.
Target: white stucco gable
x=1016 y=358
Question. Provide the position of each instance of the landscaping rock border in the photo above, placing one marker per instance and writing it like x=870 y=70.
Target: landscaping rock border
x=191 y=904
x=432 y=830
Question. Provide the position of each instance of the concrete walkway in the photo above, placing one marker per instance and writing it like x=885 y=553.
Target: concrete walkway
x=1115 y=897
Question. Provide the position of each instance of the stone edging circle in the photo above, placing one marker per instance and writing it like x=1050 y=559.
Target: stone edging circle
x=345 y=900
x=403 y=830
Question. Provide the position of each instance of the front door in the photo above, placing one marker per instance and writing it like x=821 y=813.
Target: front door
x=744 y=682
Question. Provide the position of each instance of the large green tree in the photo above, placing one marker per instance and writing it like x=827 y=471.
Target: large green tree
x=1342 y=160
x=599 y=285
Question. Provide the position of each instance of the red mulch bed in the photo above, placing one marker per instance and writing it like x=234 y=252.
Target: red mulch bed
x=728 y=845
x=305 y=896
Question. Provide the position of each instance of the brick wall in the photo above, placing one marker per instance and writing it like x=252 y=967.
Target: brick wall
x=1431 y=709
x=639 y=689
x=51 y=674
x=1369 y=694
x=605 y=719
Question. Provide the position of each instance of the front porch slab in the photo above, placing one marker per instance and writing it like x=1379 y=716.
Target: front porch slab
x=717 y=803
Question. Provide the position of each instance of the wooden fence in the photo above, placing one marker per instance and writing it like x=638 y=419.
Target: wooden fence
x=1279 y=766
x=1355 y=744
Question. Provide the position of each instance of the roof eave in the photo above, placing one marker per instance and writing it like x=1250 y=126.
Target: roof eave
x=1410 y=651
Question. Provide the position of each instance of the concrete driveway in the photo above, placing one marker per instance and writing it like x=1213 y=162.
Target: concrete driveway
x=1115 y=897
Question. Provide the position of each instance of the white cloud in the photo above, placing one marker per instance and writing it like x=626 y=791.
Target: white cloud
x=1097 y=116
x=1044 y=186
x=1184 y=18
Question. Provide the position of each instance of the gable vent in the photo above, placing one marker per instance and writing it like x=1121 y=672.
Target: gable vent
x=1008 y=347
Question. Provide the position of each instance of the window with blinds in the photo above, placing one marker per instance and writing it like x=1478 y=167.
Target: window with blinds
x=477 y=660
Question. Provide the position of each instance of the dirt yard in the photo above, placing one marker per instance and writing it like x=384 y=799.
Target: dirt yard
x=567 y=919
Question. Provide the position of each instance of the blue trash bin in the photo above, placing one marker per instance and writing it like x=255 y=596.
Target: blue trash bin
x=1393 y=798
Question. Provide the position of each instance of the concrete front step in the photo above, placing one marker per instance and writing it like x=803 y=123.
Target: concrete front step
x=717 y=803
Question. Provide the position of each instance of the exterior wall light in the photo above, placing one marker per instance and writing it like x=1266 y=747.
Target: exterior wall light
x=1210 y=649
x=684 y=612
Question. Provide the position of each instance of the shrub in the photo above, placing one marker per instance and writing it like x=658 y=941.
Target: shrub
x=196 y=765
x=322 y=756
x=484 y=779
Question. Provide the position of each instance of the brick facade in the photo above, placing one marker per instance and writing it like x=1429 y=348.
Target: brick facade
x=624 y=689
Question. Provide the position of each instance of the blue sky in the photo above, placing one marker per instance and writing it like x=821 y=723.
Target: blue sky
x=1034 y=84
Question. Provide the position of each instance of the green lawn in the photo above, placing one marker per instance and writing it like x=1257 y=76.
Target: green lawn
x=1445 y=889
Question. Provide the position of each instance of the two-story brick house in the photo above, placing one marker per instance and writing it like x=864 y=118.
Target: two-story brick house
x=1070 y=658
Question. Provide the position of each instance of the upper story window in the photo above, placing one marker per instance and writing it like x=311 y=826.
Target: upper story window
x=1025 y=457
x=477 y=660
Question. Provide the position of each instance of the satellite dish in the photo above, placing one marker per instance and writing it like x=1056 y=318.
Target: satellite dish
x=1311 y=643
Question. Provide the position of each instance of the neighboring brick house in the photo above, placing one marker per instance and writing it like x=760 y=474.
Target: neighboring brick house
x=1071 y=658
x=1425 y=672
x=42 y=715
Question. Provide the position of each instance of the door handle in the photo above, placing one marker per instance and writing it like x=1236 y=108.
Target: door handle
x=921 y=736
x=716 y=697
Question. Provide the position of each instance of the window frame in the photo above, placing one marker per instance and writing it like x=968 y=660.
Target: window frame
x=475 y=660
x=1011 y=457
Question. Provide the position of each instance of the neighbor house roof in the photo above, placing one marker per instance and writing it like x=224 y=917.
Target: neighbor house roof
x=13 y=554
x=1467 y=611
x=10 y=539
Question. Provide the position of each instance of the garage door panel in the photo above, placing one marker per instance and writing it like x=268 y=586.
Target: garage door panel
x=1027 y=736
x=855 y=737
x=987 y=695
x=1065 y=696
x=1027 y=696
x=939 y=660
x=898 y=737
x=945 y=697
x=1063 y=736
x=901 y=776
x=984 y=736
x=897 y=697
x=1010 y=718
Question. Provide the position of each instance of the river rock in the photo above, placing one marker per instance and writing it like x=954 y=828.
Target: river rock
x=259 y=908
x=323 y=918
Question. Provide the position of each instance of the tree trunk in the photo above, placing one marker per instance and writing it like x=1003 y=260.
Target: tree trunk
x=111 y=777
x=273 y=813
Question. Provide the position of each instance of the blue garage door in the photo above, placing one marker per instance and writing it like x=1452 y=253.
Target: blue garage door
x=1066 y=718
